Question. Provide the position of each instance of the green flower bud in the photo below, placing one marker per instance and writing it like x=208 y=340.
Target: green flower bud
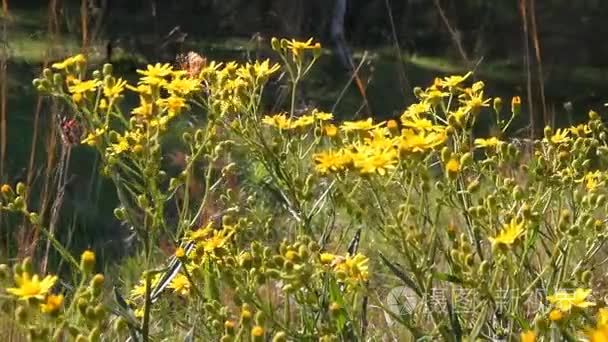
x=260 y=318
x=57 y=80
x=518 y=193
x=120 y=213
x=27 y=265
x=107 y=69
x=593 y=115
x=280 y=336
x=47 y=74
x=275 y=44
x=548 y=132
x=5 y=271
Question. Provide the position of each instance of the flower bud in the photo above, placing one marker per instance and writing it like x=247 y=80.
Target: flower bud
x=107 y=69
x=257 y=333
x=275 y=44
x=516 y=105
x=280 y=336
x=87 y=261
x=497 y=105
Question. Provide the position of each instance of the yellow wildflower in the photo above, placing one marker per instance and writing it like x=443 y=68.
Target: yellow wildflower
x=560 y=136
x=361 y=125
x=139 y=290
x=52 y=304
x=183 y=86
x=330 y=130
x=416 y=110
x=173 y=104
x=154 y=75
x=565 y=301
x=322 y=116
x=452 y=82
x=509 y=234
x=326 y=258
x=492 y=142
x=452 y=167
x=303 y=121
x=591 y=180
x=420 y=124
x=556 y=315
x=527 y=336
x=355 y=268
x=580 y=130
x=476 y=102
x=68 y=62
x=31 y=287
x=411 y=141
x=144 y=109
x=115 y=89
x=280 y=121
x=602 y=316
x=92 y=138
x=81 y=87
x=180 y=285
x=297 y=47
x=329 y=161
x=371 y=160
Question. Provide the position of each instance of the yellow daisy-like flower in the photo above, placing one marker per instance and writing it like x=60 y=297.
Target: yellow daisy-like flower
x=330 y=130
x=416 y=110
x=487 y=143
x=215 y=241
x=412 y=142
x=92 y=138
x=326 y=162
x=560 y=136
x=155 y=75
x=183 y=86
x=264 y=69
x=580 y=130
x=297 y=47
x=452 y=82
x=303 y=121
x=322 y=116
x=509 y=234
x=420 y=124
x=327 y=258
x=361 y=125
x=370 y=160
x=180 y=285
x=527 y=336
x=452 y=167
x=602 y=316
x=52 y=304
x=32 y=287
x=591 y=180
x=80 y=87
x=280 y=121
x=355 y=268
x=114 y=90
x=173 y=104
x=556 y=315
x=139 y=290
x=68 y=62
x=565 y=301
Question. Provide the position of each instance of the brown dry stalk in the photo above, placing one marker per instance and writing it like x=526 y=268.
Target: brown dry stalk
x=84 y=21
x=523 y=10
x=539 y=64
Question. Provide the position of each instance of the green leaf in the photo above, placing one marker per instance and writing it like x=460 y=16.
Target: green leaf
x=401 y=275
